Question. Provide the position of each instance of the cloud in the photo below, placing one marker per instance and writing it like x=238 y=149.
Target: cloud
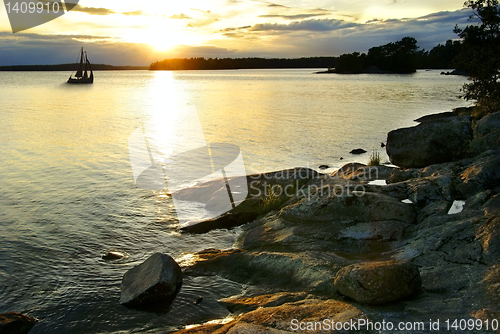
x=202 y=23
x=306 y=25
x=201 y=10
x=31 y=49
x=137 y=12
x=308 y=37
x=235 y=29
x=292 y=17
x=330 y=37
x=277 y=5
x=208 y=51
x=180 y=16
x=92 y=10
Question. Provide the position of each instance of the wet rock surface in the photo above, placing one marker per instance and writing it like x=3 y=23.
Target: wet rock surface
x=379 y=282
x=365 y=251
x=16 y=323
x=428 y=143
x=281 y=185
x=153 y=284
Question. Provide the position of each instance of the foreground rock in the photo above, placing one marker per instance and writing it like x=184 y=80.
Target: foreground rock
x=433 y=142
x=486 y=134
x=245 y=304
x=266 y=192
x=374 y=283
x=348 y=245
x=306 y=316
x=152 y=284
x=16 y=323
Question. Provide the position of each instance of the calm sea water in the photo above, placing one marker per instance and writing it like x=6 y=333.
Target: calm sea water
x=68 y=194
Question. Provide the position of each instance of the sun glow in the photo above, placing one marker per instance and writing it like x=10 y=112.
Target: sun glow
x=163 y=35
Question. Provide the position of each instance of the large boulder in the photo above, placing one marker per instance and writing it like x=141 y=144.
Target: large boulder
x=482 y=174
x=153 y=283
x=430 y=143
x=486 y=134
x=374 y=283
x=16 y=323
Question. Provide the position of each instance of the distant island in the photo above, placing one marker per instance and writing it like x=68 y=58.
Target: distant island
x=69 y=67
x=201 y=63
x=403 y=56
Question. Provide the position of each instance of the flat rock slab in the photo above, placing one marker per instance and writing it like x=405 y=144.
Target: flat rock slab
x=16 y=323
x=288 y=318
x=156 y=281
x=374 y=283
x=245 y=304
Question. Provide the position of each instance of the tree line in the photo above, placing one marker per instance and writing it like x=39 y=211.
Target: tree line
x=201 y=63
x=403 y=56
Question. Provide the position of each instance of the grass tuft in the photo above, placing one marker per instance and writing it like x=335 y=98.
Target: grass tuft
x=272 y=198
x=374 y=159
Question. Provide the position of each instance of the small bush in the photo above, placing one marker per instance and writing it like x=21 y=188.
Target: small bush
x=374 y=159
x=272 y=198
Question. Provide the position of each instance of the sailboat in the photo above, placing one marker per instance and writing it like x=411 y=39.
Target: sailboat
x=82 y=73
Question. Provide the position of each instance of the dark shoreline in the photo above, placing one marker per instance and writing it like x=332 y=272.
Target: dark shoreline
x=69 y=67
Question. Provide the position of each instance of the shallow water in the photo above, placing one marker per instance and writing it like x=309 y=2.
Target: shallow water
x=68 y=193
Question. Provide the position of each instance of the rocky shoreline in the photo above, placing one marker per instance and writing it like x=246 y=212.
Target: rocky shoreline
x=344 y=249
x=364 y=246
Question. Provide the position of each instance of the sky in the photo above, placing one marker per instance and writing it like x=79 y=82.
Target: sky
x=138 y=32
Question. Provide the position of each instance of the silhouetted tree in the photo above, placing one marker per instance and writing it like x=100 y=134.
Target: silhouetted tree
x=351 y=63
x=399 y=57
x=480 y=56
x=443 y=56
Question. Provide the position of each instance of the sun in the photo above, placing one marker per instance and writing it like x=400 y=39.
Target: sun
x=162 y=38
x=163 y=35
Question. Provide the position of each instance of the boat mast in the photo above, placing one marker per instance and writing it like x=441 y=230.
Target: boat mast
x=85 y=75
x=80 y=67
x=90 y=69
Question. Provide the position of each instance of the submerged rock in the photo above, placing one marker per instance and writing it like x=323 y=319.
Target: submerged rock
x=358 y=151
x=113 y=255
x=430 y=143
x=153 y=283
x=16 y=323
x=374 y=283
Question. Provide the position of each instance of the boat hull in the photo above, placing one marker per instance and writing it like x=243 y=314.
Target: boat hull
x=81 y=80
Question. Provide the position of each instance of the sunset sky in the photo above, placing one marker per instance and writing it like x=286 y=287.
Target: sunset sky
x=133 y=32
